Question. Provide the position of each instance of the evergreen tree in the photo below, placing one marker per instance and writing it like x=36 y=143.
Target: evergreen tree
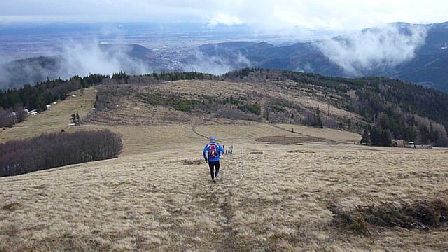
x=77 y=119
x=318 y=119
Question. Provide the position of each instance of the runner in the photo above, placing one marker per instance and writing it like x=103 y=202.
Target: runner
x=212 y=154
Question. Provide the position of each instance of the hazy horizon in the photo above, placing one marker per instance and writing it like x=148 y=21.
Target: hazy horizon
x=265 y=15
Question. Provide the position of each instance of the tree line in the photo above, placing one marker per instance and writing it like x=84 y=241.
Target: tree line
x=56 y=150
x=37 y=97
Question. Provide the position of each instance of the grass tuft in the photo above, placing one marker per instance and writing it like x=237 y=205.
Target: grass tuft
x=11 y=206
x=424 y=215
x=192 y=162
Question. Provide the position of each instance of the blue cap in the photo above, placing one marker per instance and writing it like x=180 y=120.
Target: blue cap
x=212 y=139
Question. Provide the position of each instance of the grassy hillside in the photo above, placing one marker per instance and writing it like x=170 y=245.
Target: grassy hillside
x=279 y=190
x=185 y=100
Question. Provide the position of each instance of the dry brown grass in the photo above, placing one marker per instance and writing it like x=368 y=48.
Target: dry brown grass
x=424 y=214
x=277 y=200
x=158 y=194
x=286 y=140
x=131 y=110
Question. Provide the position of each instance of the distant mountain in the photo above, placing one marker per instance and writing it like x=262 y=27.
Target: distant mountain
x=296 y=57
x=428 y=66
x=134 y=51
x=29 y=71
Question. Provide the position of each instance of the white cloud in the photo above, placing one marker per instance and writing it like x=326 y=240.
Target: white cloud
x=385 y=46
x=224 y=19
x=216 y=65
x=83 y=58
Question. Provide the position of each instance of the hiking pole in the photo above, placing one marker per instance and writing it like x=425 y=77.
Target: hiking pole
x=242 y=165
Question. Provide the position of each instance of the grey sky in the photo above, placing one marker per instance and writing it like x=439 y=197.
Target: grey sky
x=263 y=14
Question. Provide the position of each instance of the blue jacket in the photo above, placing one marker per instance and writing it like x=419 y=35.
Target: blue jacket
x=219 y=149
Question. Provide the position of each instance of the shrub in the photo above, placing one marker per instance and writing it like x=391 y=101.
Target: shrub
x=175 y=101
x=56 y=150
x=7 y=118
x=250 y=108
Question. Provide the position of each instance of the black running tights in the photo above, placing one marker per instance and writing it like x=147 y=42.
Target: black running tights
x=214 y=168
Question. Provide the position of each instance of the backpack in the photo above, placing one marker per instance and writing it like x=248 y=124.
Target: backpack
x=212 y=150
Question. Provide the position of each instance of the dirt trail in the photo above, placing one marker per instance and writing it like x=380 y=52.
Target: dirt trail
x=228 y=183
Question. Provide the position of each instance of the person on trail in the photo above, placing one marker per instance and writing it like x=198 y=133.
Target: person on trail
x=212 y=154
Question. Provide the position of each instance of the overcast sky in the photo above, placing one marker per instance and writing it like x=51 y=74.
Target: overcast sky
x=265 y=14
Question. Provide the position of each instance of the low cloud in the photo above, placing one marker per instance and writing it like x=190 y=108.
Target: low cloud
x=383 y=47
x=214 y=64
x=74 y=58
x=91 y=57
x=224 y=19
